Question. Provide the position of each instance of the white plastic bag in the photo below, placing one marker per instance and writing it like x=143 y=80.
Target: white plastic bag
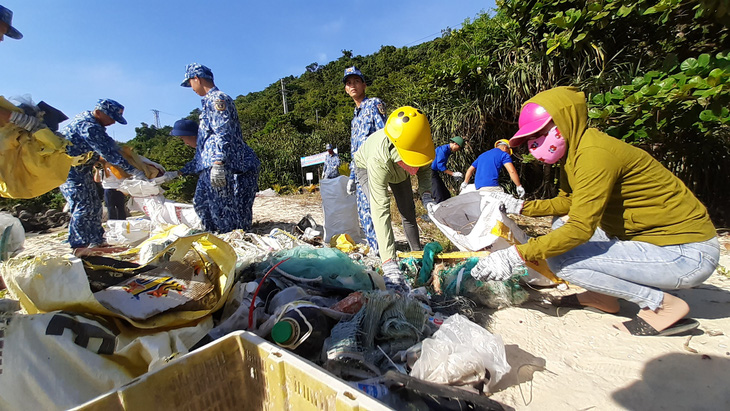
x=139 y=188
x=154 y=208
x=128 y=232
x=472 y=222
x=163 y=211
x=16 y=237
x=459 y=352
x=340 y=209
x=181 y=213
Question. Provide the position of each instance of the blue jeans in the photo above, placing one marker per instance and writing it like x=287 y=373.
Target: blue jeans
x=634 y=270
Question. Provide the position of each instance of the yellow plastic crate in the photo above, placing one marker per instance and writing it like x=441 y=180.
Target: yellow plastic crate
x=240 y=371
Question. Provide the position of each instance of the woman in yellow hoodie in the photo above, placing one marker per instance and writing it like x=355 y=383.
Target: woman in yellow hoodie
x=630 y=228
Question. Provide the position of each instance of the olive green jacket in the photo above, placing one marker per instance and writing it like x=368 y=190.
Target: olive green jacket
x=607 y=183
x=381 y=158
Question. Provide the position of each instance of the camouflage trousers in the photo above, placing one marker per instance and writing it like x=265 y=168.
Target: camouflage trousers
x=226 y=208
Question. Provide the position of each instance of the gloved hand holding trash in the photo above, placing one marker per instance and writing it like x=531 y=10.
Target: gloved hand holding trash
x=218 y=176
x=498 y=266
x=351 y=186
x=168 y=176
x=463 y=186
x=520 y=192
x=457 y=175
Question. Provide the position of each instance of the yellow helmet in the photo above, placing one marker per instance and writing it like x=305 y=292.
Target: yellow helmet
x=503 y=141
x=408 y=129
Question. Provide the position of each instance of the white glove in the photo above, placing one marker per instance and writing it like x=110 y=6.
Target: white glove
x=427 y=200
x=394 y=278
x=457 y=175
x=509 y=204
x=463 y=186
x=520 y=192
x=498 y=266
x=351 y=186
x=25 y=121
x=170 y=175
x=218 y=176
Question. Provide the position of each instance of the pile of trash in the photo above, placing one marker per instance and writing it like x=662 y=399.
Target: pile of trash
x=114 y=317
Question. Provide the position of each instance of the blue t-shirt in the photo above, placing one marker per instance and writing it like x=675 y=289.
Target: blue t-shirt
x=442 y=157
x=488 y=165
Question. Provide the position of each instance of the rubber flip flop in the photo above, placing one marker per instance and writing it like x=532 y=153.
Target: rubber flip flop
x=566 y=301
x=571 y=301
x=639 y=327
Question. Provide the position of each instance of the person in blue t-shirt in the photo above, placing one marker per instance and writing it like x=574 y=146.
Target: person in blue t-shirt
x=438 y=188
x=486 y=169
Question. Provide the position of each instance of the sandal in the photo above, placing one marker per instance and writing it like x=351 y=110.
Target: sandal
x=639 y=327
x=571 y=301
x=566 y=301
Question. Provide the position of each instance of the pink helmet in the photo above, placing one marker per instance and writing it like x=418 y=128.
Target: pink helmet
x=533 y=117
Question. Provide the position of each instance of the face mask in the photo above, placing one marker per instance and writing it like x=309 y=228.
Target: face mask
x=548 y=148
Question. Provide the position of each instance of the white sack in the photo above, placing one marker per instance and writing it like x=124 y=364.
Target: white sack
x=58 y=360
x=472 y=222
x=340 y=209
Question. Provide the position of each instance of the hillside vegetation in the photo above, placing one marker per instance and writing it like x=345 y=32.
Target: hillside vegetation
x=656 y=74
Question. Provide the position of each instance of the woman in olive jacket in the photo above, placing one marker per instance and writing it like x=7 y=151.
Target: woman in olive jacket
x=630 y=228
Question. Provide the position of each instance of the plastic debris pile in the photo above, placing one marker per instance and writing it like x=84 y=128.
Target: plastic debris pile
x=176 y=289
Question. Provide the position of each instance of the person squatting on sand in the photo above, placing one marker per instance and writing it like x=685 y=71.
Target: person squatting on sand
x=630 y=228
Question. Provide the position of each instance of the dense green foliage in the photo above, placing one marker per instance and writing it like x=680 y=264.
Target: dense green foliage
x=656 y=74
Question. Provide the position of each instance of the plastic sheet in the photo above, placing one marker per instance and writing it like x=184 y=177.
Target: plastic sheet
x=459 y=352
x=332 y=266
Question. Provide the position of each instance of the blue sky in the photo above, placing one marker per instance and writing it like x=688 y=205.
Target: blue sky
x=75 y=52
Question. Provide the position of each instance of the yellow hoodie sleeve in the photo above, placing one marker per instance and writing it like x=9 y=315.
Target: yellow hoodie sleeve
x=596 y=173
x=557 y=206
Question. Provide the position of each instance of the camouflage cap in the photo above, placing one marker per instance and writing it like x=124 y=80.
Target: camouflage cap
x=352 y=71
x=112 y=109
x=193 y=70
x=6 y=16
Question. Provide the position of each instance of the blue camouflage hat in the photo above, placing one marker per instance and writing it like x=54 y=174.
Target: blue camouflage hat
x=184 y=127
x=329 y=146
x=112 y=109
x=6 y=16
x=352 y=71
x=196 y=70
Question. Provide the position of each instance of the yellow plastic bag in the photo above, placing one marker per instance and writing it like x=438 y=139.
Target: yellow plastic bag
x=32 y=164
x=346 y=244
x=46 y=283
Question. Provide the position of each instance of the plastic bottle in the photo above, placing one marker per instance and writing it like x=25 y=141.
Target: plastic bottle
x=303 y=330
x=375 y=390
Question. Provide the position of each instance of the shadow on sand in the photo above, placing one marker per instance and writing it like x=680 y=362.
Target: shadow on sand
x=679 y=382
x=523 y=366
